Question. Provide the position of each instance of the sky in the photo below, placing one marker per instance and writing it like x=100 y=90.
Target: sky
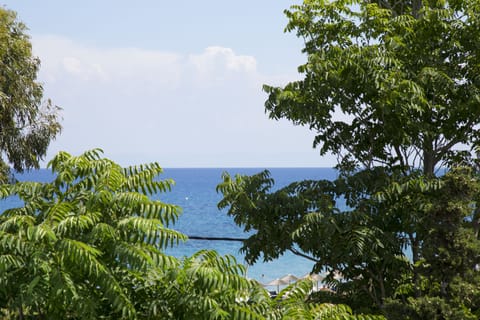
x=174 y=82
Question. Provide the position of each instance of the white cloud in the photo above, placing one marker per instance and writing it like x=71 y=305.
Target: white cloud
x=215 y=59
x=72 y=65
x=200 y=109
x=62 y=58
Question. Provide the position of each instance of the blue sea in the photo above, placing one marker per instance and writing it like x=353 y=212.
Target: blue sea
x=194 y=191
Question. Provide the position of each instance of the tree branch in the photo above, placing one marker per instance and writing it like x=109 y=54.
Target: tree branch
x=298 y=253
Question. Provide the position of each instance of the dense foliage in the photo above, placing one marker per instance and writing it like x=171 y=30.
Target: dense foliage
x=371 y=243
x=27 y=124
x=383 y=87
x=392 y=88
x=70 y=248
x=90 y=245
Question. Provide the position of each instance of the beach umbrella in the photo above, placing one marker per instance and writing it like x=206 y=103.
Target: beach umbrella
x=277 y=282
x=289 y=278
x=315 y=277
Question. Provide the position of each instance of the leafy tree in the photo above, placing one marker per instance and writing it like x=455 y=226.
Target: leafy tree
x=303 y=218
x=445 y=278
x=382 y=88
x=293 y=304
x=205 y=286
x=90 y=244
x=392 y=89
x=70 y=250
x=27 y=124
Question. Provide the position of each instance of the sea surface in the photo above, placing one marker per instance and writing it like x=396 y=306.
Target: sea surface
x=194 y=191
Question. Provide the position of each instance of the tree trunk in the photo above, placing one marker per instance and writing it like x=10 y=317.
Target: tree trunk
x=20 y=313
x=382 y=290
x=476 y=221
x=428 y=158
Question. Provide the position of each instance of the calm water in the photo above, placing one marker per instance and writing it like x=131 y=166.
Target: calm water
x=195 y=192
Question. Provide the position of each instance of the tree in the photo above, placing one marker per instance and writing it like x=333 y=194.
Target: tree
x=205 y=286
x=302 y=217
x=90 y=244
x=392 y=89
x=382 y=88
x=75 y=247
x=27 y=124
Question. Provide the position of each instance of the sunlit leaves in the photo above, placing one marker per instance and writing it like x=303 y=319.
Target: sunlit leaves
x=208 y=286
x=81 y=234
x=294 y=305
x=391 y=88
x=385 y=78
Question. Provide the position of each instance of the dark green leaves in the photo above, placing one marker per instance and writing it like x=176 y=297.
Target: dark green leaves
x=384 y=84
x=27 y=124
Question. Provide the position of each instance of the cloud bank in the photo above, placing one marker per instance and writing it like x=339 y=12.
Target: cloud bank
x=182 y=110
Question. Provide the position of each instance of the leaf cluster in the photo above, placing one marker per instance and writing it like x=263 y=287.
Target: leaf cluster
x=90 y=244
x=69 y=248
x=27 y=123
x=383 y=86
x=368 y=241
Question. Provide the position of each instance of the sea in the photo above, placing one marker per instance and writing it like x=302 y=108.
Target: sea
x=194 y=191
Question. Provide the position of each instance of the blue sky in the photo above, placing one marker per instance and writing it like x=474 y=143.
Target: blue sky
x=176 y=82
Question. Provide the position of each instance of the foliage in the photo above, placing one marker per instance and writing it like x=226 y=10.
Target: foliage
x=90 y=244
x=382 y=88
x=392 y=89
x=445 y=278
x=294 y=304
x=208 y=286
x=303 y=217
x=205 y=286
x=69 y=249
x=27 y=125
